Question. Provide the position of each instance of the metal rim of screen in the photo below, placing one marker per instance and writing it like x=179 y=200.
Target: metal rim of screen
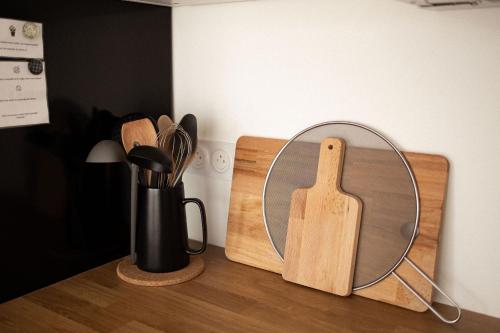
x=410 y=243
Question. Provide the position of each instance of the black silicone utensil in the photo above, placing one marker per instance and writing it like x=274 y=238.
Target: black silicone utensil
x=151 y=158
x=190 y=125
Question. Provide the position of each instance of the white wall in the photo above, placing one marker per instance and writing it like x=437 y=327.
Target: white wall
x=430 y=80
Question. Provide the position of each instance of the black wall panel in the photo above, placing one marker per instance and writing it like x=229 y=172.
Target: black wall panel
x=104 y=59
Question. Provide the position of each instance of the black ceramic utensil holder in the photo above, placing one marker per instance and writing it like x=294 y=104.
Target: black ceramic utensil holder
x=162 y=236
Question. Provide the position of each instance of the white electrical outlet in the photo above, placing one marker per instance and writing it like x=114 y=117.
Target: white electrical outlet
x=200 y=158
x=213 y=159
x=221 y=161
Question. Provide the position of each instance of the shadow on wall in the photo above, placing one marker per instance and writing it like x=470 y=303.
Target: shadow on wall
x=59 y=211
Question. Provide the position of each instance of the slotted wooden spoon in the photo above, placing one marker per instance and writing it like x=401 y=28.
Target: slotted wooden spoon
x=140 y=132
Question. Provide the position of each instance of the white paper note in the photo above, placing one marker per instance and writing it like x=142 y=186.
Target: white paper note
x=23 y=95
x=21 y=39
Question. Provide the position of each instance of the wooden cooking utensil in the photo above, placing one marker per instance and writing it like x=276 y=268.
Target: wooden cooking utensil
x=164 y=123
x=138 y=132
x=247 y=241
x=323 y=228
x=165 y=127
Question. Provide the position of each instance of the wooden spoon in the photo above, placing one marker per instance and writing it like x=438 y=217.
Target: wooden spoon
x=164 y=123
x=140 y=132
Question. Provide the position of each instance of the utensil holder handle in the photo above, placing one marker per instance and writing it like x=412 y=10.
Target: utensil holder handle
x=203 y=215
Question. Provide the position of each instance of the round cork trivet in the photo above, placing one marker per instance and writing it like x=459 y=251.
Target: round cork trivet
x=132 y=274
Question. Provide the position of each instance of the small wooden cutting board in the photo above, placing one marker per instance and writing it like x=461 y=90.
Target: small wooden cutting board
x=323 y=228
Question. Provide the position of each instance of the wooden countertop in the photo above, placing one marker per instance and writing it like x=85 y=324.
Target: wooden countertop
x=227 y=297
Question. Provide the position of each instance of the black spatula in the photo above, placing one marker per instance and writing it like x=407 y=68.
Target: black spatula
x=151 y=158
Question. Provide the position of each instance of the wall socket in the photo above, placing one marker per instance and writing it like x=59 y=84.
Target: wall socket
x=213 y=159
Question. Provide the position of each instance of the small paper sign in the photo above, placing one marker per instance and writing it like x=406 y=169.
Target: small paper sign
x=23 y=94
x=21 y=39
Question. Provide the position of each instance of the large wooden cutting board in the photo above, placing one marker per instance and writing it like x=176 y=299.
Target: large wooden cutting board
x=247 y=241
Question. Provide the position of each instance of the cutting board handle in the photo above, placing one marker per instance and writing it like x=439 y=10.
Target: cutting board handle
x=331 y=159
x=323 y=228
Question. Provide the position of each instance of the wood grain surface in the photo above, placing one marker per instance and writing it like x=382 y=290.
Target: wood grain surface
x=227 y=297
x=132 y=274
x=247 y=241
x=323 y=228
x=140 y=131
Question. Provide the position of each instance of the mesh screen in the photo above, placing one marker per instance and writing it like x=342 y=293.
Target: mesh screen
x=373 y=171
